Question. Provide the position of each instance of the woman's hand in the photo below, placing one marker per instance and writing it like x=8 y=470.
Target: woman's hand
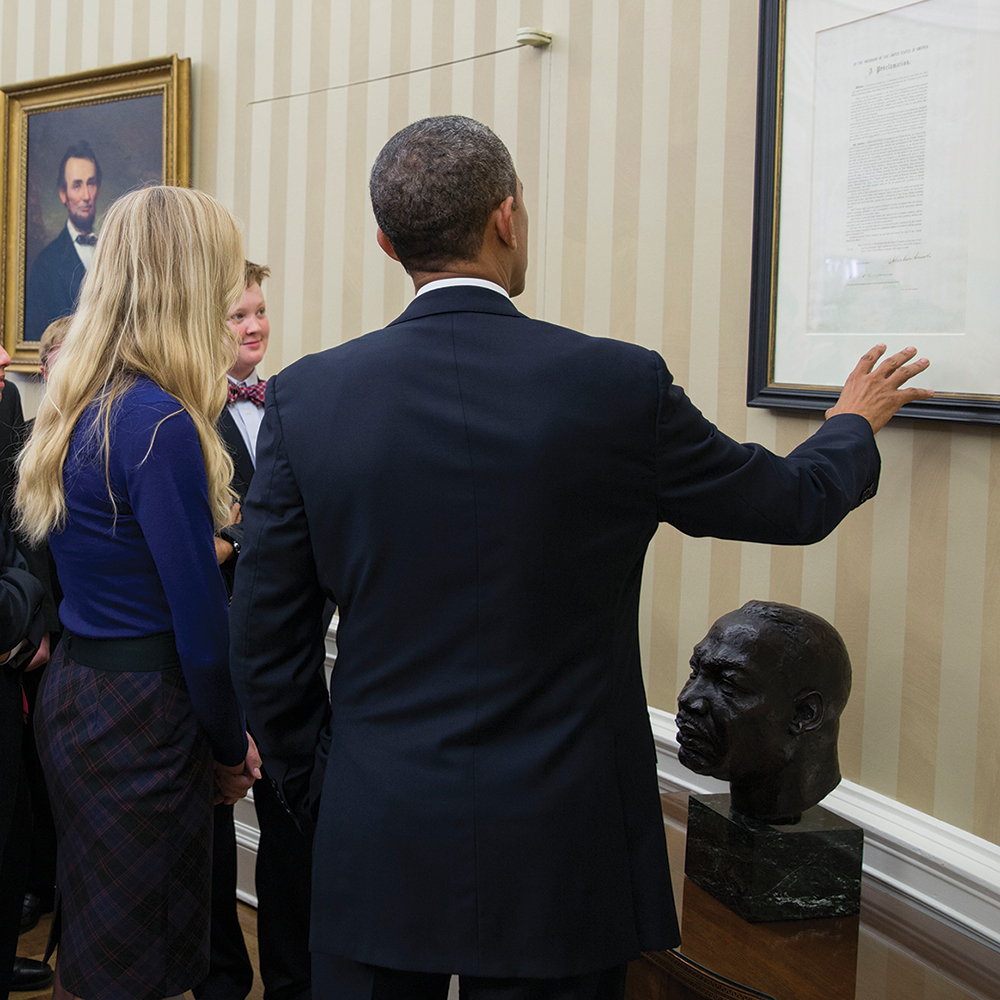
x=42 y=655
x=224 y=550
x=232 y=783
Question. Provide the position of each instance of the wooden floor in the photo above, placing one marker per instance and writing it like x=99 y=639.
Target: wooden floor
x=896 y=957
x=32 y=945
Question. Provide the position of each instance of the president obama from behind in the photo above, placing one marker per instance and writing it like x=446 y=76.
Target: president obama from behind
x=476 y=491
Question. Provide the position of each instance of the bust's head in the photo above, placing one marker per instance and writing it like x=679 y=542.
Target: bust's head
x=762 y=708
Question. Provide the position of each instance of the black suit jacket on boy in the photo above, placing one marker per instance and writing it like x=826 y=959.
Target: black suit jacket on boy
x=242 y=461
x=243 y=469
x=476 y=490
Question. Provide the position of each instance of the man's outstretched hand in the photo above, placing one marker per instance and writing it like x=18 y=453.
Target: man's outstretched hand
x=876 y=393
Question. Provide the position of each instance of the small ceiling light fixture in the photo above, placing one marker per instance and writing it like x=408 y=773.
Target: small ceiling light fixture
x=534 y=37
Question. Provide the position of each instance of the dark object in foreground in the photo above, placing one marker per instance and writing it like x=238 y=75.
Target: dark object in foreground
x=30 y=974
x=764 y=872
x=31 y=911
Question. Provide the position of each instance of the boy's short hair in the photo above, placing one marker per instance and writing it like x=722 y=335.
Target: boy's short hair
x=256 y=273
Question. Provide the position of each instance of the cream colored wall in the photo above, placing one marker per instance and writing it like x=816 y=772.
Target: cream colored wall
x=634 y=137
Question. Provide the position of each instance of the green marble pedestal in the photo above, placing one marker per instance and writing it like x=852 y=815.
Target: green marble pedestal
x=764 y=872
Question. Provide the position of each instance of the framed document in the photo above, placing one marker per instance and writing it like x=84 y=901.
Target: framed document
x=877 y=200
x=71 y=145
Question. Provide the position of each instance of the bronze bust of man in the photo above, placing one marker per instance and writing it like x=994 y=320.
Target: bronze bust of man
x=762 y=708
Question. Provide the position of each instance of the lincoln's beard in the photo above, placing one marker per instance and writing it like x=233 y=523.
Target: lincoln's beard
x=85 y=225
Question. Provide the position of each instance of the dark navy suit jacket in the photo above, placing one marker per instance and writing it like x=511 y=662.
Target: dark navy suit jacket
x=476 y=491
x=53 y=285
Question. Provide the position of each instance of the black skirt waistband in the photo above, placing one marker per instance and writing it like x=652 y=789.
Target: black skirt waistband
x=140 y=655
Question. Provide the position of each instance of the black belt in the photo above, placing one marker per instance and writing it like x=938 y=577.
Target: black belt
x=140 y=655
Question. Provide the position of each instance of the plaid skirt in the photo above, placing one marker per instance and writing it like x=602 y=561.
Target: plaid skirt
x=130 y=776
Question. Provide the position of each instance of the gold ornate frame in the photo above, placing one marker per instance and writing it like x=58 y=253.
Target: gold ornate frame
x=168 y=77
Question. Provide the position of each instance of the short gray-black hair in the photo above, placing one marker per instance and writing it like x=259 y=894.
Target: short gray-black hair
x=433 y=187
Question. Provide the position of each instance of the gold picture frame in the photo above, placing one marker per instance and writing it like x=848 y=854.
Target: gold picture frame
x=136 y=120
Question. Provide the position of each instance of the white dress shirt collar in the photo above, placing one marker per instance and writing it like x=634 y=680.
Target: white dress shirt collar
x=433 y=286
x=85 y=253
x=247 y=416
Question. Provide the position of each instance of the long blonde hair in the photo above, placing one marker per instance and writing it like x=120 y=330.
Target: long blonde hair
x=166 y=270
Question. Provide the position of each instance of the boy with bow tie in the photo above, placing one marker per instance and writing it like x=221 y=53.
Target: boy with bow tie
x=284 y=854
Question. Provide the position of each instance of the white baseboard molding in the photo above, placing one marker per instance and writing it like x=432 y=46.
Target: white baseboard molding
x=247 y=839
x=944 y=871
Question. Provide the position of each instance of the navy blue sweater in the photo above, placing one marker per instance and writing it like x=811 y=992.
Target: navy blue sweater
x=150 y=565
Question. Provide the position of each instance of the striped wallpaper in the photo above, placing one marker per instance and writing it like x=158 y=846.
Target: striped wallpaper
x=634 y=137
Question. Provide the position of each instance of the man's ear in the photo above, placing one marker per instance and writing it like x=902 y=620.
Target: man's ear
x=503 y=219
x=383 y=242
x=808 y=713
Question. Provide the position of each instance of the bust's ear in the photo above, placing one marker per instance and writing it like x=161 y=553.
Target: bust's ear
x=808 y=713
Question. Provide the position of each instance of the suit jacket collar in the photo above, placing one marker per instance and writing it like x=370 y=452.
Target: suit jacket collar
x=464 y=298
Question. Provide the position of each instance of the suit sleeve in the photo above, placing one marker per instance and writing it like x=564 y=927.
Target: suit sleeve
x=13 y=435
x=12 y=432
x=278 y=651
x=20 y=596
x=709 y=484
x=19 y=590
x=41 y=566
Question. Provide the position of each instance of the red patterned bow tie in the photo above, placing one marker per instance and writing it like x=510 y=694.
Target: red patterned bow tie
x=255 y=392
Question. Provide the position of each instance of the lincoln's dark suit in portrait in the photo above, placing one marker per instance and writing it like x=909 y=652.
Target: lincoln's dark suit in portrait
x=53 y=285
x=476 y=490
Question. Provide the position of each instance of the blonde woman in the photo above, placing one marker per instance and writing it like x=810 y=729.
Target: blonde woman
x=126 y=477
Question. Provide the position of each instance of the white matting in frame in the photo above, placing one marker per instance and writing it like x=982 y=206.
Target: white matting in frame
x=889 y=215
